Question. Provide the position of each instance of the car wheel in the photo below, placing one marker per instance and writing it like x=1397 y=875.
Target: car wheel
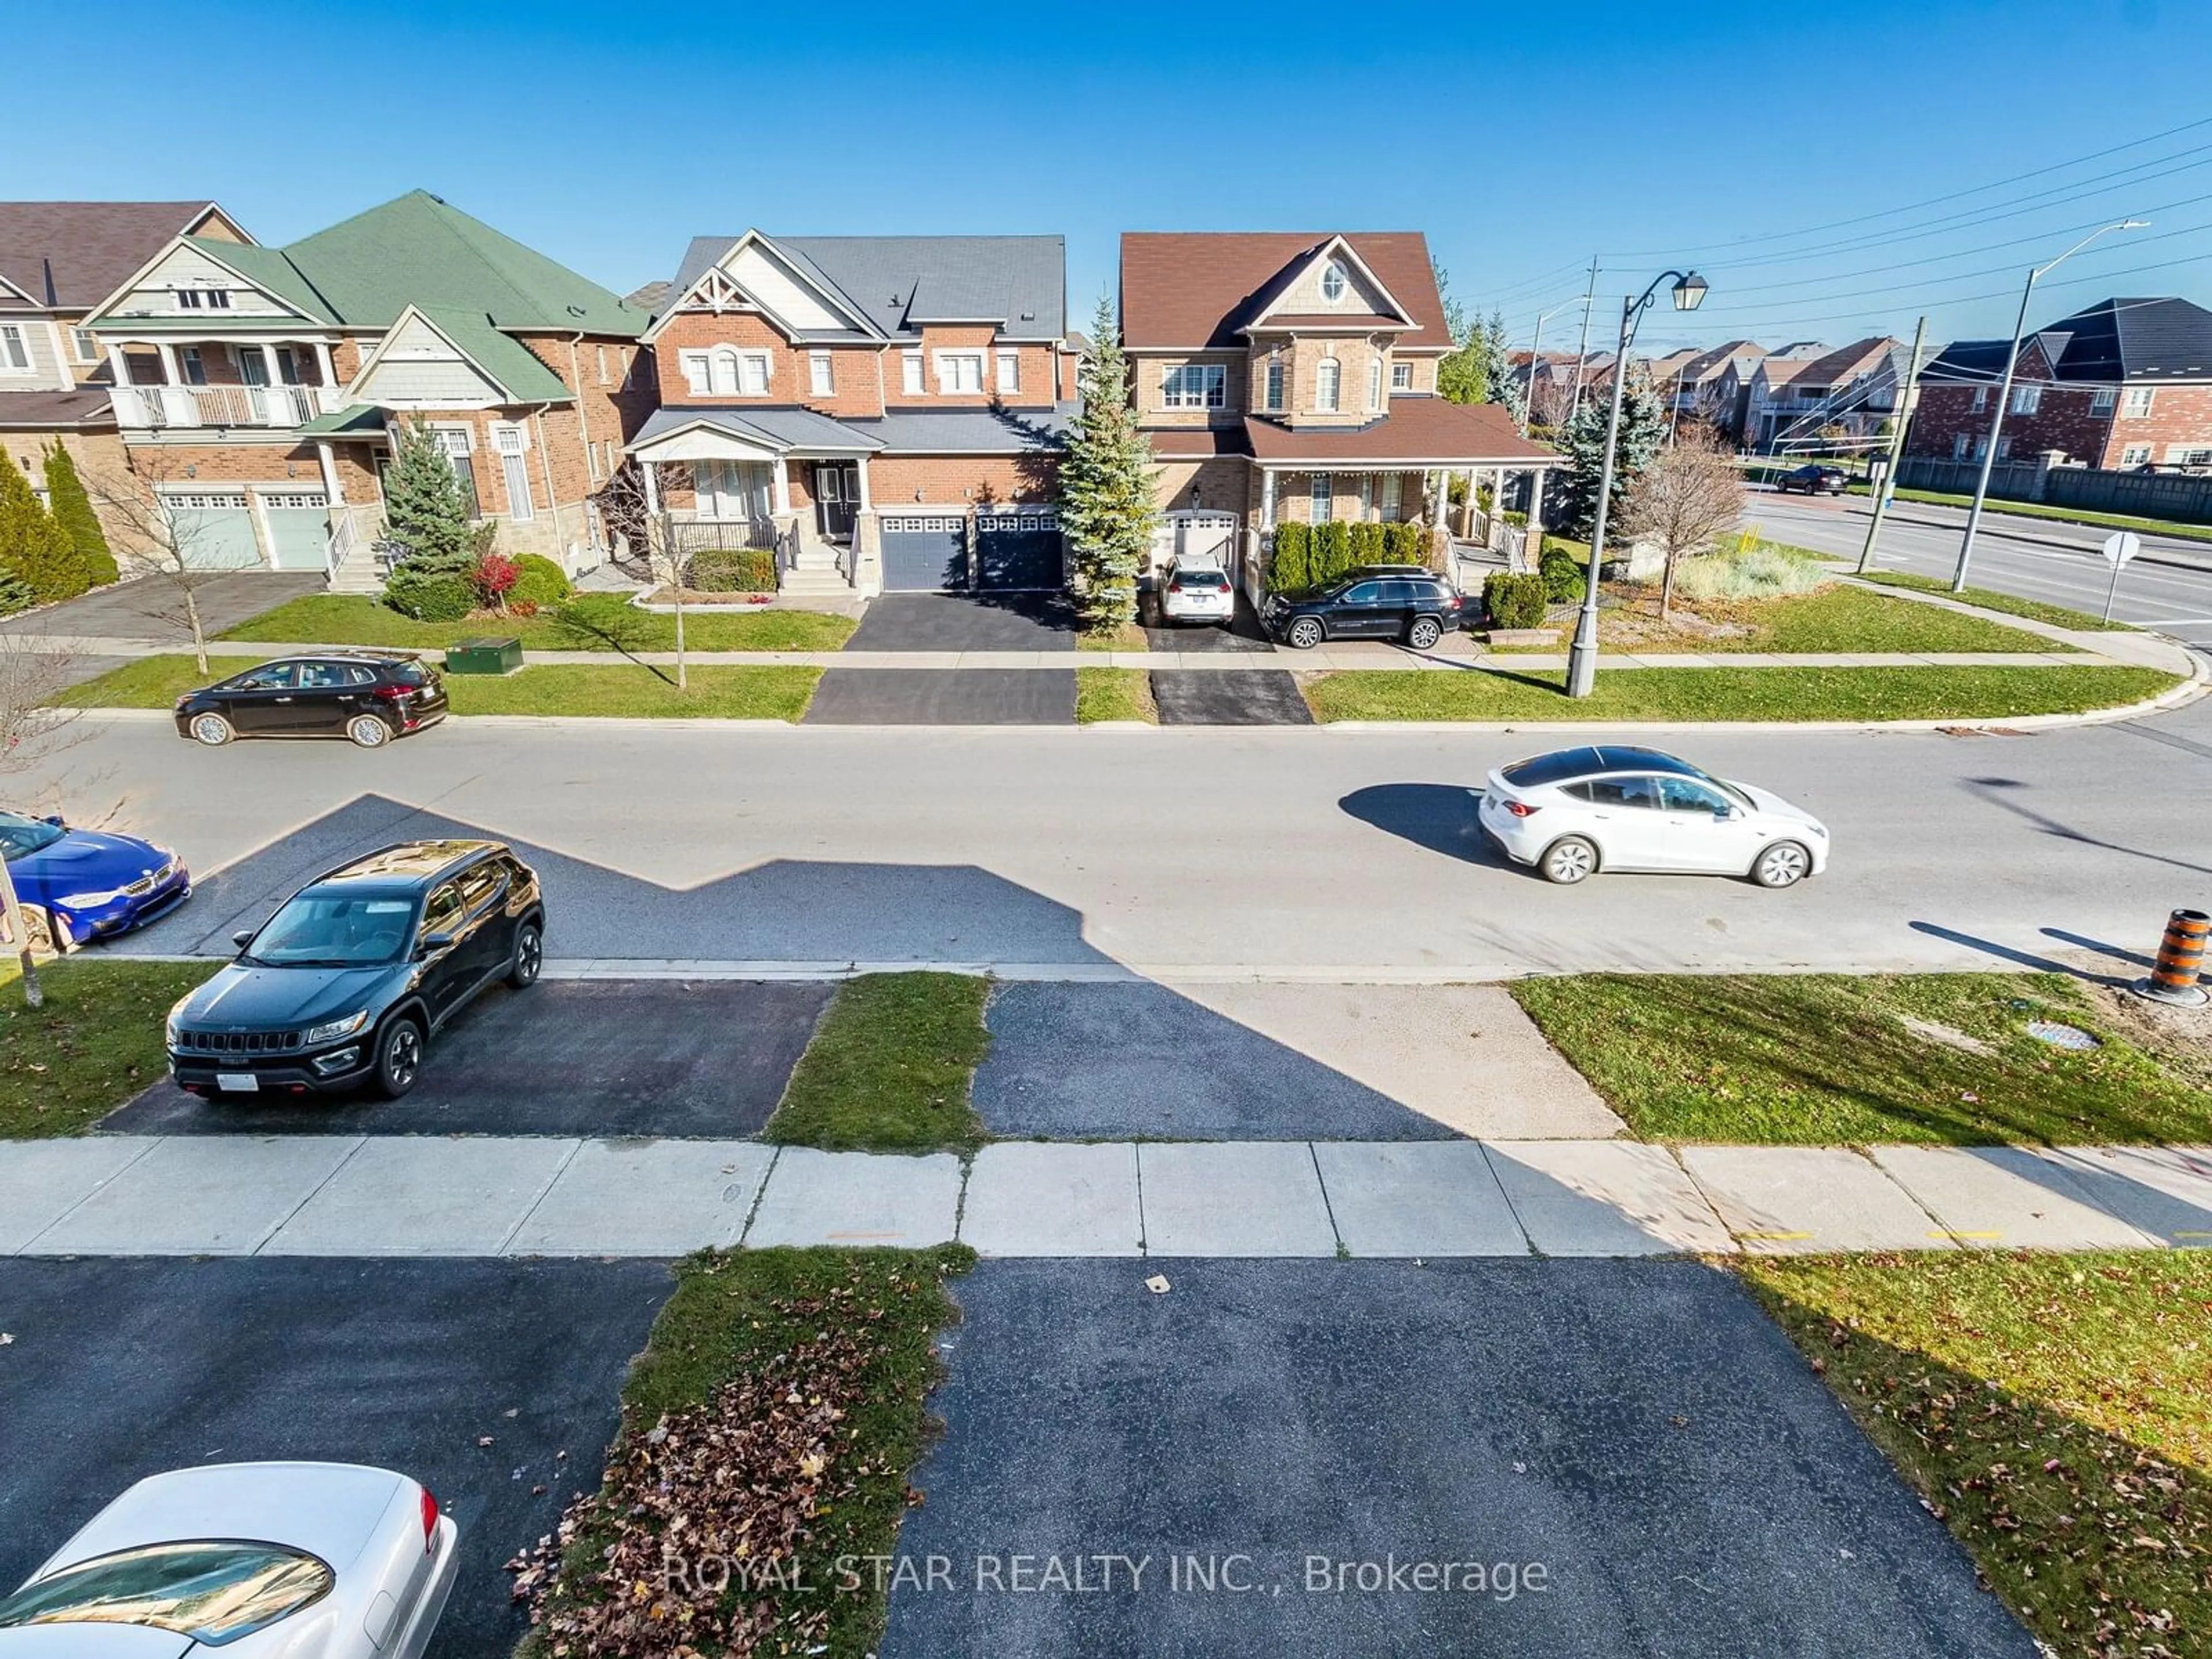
x=369 y=731
x=1783 y=865
x=529 y=957
x=1306 y=634
x=213 y=729
x=1424 y=633
x=399 y=1058
x=1567 y=861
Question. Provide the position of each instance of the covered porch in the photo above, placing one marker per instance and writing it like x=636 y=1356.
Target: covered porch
x=169 y=380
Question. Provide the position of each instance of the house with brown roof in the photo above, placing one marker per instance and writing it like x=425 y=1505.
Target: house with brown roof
x=1851 y=392
x=58 y=260
x=1292 y=376
x=1700 y=385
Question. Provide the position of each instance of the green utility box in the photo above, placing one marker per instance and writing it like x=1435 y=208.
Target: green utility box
x=483 y=656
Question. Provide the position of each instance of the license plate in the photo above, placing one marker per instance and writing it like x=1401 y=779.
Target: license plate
x=237 y=1082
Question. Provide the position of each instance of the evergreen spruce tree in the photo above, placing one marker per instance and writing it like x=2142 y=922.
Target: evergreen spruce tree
x=1107 y=506
x=427 y=506
x=34 y=549
x=14 y=593
x=72 y=511
x=1571 y=502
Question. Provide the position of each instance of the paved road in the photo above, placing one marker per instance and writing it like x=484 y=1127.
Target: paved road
x=2169 y=588
x=1334 y=853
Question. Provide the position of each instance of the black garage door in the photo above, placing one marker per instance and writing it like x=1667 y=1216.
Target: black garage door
x=1019 y=550
x=924 y=552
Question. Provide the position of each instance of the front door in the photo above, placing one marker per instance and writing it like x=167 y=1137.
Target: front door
x=836 y=498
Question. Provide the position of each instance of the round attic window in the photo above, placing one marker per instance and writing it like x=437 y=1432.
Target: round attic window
x=1333 y=283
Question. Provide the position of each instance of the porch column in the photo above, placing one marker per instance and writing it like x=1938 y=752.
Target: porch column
x=652 y=471
x=117 y=365
x=269 y=365
x=330 y=476
x=1266 y=498
x=330 y=370
x=782 y=485
x=866 y=504
x=1532 y=539
x=168 y=355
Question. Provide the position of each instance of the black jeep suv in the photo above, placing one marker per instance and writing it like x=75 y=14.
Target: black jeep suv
x=1381 y=602
x=348 y=981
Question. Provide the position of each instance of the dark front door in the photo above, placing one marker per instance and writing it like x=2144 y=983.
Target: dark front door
x=836 y=498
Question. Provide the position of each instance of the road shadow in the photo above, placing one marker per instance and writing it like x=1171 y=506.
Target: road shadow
x=1440 y=816
x=2018 y=958
x=1989 y=790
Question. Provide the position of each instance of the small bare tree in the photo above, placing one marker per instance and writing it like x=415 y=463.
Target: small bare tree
x=156 y=535
x=1684 y=499
x=33 y=724
x=627 y=512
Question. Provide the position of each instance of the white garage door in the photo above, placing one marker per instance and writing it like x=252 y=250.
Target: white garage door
x=214 y=529
x=298 y=528
x=1182 y=535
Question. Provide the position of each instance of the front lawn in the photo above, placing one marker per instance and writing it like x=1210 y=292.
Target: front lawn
x=1114 y=694
x=1832 y=1058
x=1127 y=636
x=96 y=1043
x=768 y=1431
x=593 y=621
x=152 y=682
x=890 y=1068
x=1903 y=693
x=2057 y=615
x=2054 y=1411
x=1835 y=618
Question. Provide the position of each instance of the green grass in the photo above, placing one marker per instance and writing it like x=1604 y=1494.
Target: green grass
x=2034 y=610
x=1129 y=636
x=96 y=1043
x=2198 y=532
x=1827 y=1058
x=2055 y=1412
x=742 y=1313
x=611 y=623
x=552 y=688
x=890 y=1067
x=1114 y=694
x=1732 y=694
x=1836 y=617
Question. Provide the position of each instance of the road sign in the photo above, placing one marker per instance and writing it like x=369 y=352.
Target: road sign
x=2119 y=547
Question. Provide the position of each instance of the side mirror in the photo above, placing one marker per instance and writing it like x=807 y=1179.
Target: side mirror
x=1726 y=814
x=431 y=943
x=242 y=938
x=55 y=818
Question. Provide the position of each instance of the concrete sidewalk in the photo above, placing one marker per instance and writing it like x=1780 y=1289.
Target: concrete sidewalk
x=500 y=1196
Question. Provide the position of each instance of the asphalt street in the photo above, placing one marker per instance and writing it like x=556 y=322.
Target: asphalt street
x=1317 y=852
x=495 y=1383
x=1637 y=1459
x=2168 y=589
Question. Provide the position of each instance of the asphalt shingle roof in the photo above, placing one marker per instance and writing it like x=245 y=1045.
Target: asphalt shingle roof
x=899 y=282
x=1186 y=289
x=72 y=255
x=2113 y=340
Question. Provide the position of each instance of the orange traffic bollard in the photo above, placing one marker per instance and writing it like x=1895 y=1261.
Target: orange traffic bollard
x=2180 y=960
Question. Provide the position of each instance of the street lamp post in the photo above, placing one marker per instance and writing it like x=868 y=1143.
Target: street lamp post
x=2004 y=395
x=1689 y=292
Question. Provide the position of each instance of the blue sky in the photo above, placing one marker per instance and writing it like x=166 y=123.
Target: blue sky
x=1522 y=139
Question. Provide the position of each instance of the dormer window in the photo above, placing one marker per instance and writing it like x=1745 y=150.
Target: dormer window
x=1334 y=283
x=203 y=299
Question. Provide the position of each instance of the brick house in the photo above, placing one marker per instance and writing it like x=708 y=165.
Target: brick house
x=886 y=412
x=1793 y=402
x=2126 y=384
x=58 y=261
x=256 y=389
x=1293 y=376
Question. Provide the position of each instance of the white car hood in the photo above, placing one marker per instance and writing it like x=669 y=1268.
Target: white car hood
x=1768 y=802
x=90 y=1641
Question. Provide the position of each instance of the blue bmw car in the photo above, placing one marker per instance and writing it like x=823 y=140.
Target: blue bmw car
x=77 y=885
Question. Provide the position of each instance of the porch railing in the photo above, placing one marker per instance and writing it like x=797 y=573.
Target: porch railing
x=689 y=536
x=156 y=407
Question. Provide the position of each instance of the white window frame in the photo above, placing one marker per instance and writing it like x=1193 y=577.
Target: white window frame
x=2026 y=400
x=2103 y=400
x=84 y=346
x=2135 y=454
x=1335 y=273
x=2140 y=400
x=1008 y=368
x=949 y=367
x=1961 y=444
x=698 y=373
x=2004 y=447
x=1328 y=385
x=1321 y=498
x=1274 y=382
x=15 y=350
x=911 y=381
x=1374 y=385
x=1194 y=386
x=1401 y=377
x=1981 y=399
x=201 y=299
x=821 y=375
x=510 y=442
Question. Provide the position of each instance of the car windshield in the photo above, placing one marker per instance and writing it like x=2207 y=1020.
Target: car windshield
x=334 y=929
x=213 y=1592
x=21 y=836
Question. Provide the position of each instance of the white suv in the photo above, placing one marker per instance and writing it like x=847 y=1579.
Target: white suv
x=1197 y=589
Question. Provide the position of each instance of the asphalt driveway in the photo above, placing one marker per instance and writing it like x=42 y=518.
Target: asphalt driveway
x=707 y=1060
x=966 y=621
x=944 y=697
x=1078 y=1061
x=495 y=1382
x=142 y=609
x=1205 y=696
x=1630 y=1456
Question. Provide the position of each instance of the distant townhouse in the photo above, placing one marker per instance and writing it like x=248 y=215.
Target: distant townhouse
x=58 y=261
x=259 y=390
x=888 y=412
x=1709 y=385
x=1293 y=376
x=2126 y=383
x=1850 y=392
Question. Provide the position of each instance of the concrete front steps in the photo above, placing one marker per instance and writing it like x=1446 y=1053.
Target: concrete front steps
x=813 y=573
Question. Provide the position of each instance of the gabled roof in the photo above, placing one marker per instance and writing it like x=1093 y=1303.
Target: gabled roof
x=1846 y=363
x=1263 y=313
x=1194 y=288
x=72 y=255
x=1715 y=361
x=1017 y=284
x=500 y=358
x=2111 y=342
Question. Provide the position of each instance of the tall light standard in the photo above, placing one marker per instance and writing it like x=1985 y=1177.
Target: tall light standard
x=1535 y=356
x=2004 y=394
x=1689 y=292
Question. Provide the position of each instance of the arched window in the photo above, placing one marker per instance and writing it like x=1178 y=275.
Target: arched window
x=725 y=370
x=1333 y=282
x=1275 y=382
x=1328 y=384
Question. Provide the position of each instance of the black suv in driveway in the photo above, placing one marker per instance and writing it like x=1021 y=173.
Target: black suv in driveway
x=1382 y=602
x=347 y=983
x=371 y=696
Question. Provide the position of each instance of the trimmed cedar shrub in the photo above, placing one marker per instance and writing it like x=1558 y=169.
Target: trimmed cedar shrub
x=538 y=583
x=1291 y=569
x=1367 y=542
x=431 y=597
x=1562 y=575
x=1402 y=544
x=1512 y=599
x=731 y=570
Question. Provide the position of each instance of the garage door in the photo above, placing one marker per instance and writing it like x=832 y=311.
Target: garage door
x=1019 y=550
x=925 y=552
x=1185 y=535
x=214 y=530
x=298 y=528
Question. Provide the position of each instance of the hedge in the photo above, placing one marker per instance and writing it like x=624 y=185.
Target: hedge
x=431 y=598
x=1514 y=600
x=1310 y=556
x=1562 y=575
x=1291 y=569
x=731 y=570
x=541 y=582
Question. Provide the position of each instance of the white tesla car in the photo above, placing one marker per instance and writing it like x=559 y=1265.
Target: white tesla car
x=1576 y=811
x=262 y=1560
